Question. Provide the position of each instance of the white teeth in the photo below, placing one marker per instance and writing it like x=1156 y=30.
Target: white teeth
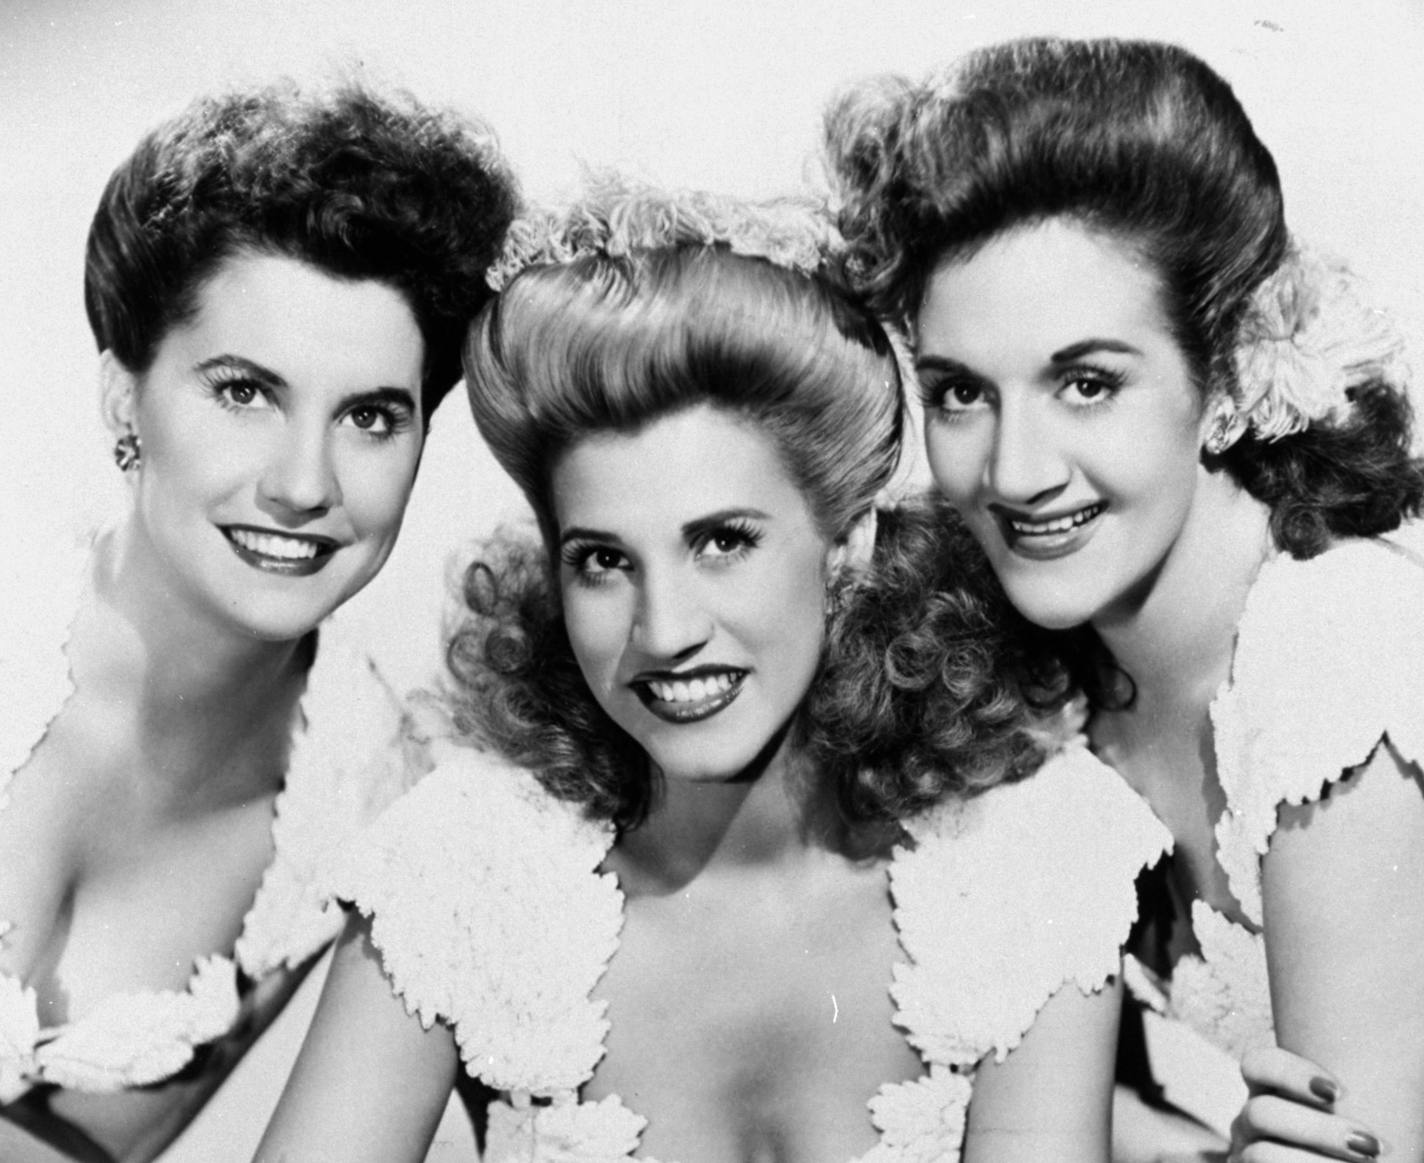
x=1059 y=525
x=273 y=545
x=692 y=690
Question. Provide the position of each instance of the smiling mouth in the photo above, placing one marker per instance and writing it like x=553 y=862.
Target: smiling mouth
x=1065 y=524
x=1055 y=537
x=690 y=697
x=280 y=553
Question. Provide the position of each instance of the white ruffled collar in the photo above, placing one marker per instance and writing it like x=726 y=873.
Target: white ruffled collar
x=135 y=1039
x=491 y=911
x=1280 y=737
x=919 y=1120
x=1280 y=741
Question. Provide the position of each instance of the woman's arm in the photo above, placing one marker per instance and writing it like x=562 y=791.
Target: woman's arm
x=1343 y=892
x=370 y=1083
x=1050 y=1100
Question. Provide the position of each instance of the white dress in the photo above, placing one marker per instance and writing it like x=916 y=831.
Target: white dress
x=1329 y=661
x=345 y=766
x=490 y=912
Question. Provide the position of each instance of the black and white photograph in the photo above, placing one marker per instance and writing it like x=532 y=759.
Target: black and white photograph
x=595 y=580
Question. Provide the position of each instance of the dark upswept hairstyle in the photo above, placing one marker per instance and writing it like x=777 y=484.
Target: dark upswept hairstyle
x=359 y=184
x=1145 y=143
x=651 y=312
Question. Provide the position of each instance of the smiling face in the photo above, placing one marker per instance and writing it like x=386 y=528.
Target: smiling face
x=280 y=430
x=693 y=579
x=1061 y=418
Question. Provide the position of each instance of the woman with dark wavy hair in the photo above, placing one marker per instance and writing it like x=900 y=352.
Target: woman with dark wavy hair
x=1184 y=442
x=278 y=283
x=732 y=752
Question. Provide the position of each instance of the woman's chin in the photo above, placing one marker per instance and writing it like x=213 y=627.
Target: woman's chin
x=1051 y=612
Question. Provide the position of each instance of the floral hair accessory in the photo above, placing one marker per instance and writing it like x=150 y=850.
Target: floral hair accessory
x=1306 y=339
x=617 y=218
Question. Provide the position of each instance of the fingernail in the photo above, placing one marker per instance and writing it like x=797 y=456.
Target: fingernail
x=1363 y=1144
x=1324 y=1088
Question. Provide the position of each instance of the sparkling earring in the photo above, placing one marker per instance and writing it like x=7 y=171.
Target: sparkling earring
x=127 y=452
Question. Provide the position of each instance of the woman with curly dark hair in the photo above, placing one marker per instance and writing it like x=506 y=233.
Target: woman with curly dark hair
x=278 y=283
x=732 y=752
x=1183 y=442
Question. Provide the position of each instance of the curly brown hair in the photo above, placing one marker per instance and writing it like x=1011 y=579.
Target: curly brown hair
x=924 y=690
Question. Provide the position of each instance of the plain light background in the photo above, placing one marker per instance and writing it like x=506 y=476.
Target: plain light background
x=722 y=95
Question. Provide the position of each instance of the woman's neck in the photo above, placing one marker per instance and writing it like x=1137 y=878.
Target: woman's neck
x=184 y=654
x=767 y=821
x=1176 y=640
x=196 y=694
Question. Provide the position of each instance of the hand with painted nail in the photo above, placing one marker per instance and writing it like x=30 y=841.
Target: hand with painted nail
x=1290 y=1116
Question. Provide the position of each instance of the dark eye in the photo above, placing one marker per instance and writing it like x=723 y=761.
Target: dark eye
x=1090 y=387
x=370 y=419
x=955 y=395
x=243 y=393
x=723 y=543
x=727 y=543
x=593 y=564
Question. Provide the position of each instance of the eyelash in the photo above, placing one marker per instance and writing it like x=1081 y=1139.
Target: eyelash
x=743 y=536
x=576 y=556
x=934 y=398
x=221 y=385
x=1109 y=380
x=397 y=419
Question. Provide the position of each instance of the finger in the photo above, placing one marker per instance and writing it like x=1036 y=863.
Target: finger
x=1276 y=1153
x=1269 y=1120
x=1271 y=1070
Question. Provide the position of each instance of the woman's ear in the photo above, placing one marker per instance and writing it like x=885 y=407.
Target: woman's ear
x=1221 y=425
x=118 y=395
x=854 y=550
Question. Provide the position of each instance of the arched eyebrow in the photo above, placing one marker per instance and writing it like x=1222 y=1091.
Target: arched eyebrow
x=691 y=530
x=701 y=526
x=253 y=371
x=583 y=533
x=397 y=397
x=942 y=363
x=267 y=378
x=1088 y=346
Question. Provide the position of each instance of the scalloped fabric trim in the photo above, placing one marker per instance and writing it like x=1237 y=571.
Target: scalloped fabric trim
x=344 y=767
x=1224 y=993
x=489 y=911
x=1326 y=666
x=1019 y=927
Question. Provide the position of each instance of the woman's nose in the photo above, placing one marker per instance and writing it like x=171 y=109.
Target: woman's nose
x=1027 y=460
x=671 y=620
x=299 y=475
